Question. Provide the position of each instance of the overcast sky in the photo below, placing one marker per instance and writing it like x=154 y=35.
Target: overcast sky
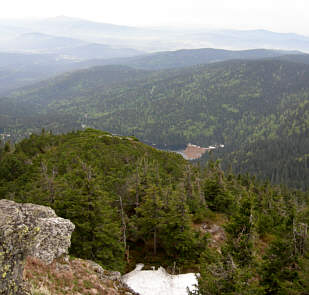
x=276 y=15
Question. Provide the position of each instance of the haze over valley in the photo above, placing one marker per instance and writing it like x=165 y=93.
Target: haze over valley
x=93 y=107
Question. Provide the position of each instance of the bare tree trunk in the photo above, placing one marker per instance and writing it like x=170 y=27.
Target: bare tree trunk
x=124 y=226
x=199 y=191
x=154 y=199
x=136 y=187
x=155 y=241
x=183 y=200
x=49 y=181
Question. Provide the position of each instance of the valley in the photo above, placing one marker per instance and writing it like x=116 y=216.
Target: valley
x=243 y=104
x=134 y=157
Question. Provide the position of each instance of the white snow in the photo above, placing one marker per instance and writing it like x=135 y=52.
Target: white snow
x=159 y=282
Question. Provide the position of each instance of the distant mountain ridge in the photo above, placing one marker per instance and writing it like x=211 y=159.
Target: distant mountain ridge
x=99 y=51
x=18 y=69
x=191 y=57
x=75 y=48
x=160 y=38
x=40 y=43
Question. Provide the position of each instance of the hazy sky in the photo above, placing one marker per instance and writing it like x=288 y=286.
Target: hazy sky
x=276 y=15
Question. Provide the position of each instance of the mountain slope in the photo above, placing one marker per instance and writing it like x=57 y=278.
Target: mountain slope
x=131 y=203
x=235 y=103
x=93 y=171
x=254 y=108
x=76 y=84
x=29 y=114
x=279 y=149
x=214 y=96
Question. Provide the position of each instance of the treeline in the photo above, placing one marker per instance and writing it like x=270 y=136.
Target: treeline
x=132 y=203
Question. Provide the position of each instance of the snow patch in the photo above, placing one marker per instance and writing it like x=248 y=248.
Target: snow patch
x=159 y=282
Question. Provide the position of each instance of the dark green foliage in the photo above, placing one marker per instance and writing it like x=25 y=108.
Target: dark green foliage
x=279 y=268
x=266 y=245
x=239 y=230
x=257 y=109
x=132 y=202
x=114 y=189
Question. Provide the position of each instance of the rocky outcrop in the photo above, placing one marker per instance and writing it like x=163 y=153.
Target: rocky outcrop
x=28 y=230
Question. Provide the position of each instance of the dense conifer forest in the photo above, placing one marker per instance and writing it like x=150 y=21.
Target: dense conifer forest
x=133 y=203
x=257 y=108
x=97 y=121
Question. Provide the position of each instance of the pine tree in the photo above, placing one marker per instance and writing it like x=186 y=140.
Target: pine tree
x=239 y=231
x=98 y=228
x=149 y=215
x=178 y=237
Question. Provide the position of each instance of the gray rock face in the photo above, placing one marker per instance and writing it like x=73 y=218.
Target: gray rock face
x=28 y=230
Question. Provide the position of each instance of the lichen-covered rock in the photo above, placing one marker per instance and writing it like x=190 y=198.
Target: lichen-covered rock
x=28 y=230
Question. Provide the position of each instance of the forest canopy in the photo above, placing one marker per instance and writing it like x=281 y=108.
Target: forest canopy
x=132 y=203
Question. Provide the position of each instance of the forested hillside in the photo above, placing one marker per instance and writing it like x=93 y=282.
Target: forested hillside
x=133 y=203
x=34 y=107
x=281 y=157
x=257 y=109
